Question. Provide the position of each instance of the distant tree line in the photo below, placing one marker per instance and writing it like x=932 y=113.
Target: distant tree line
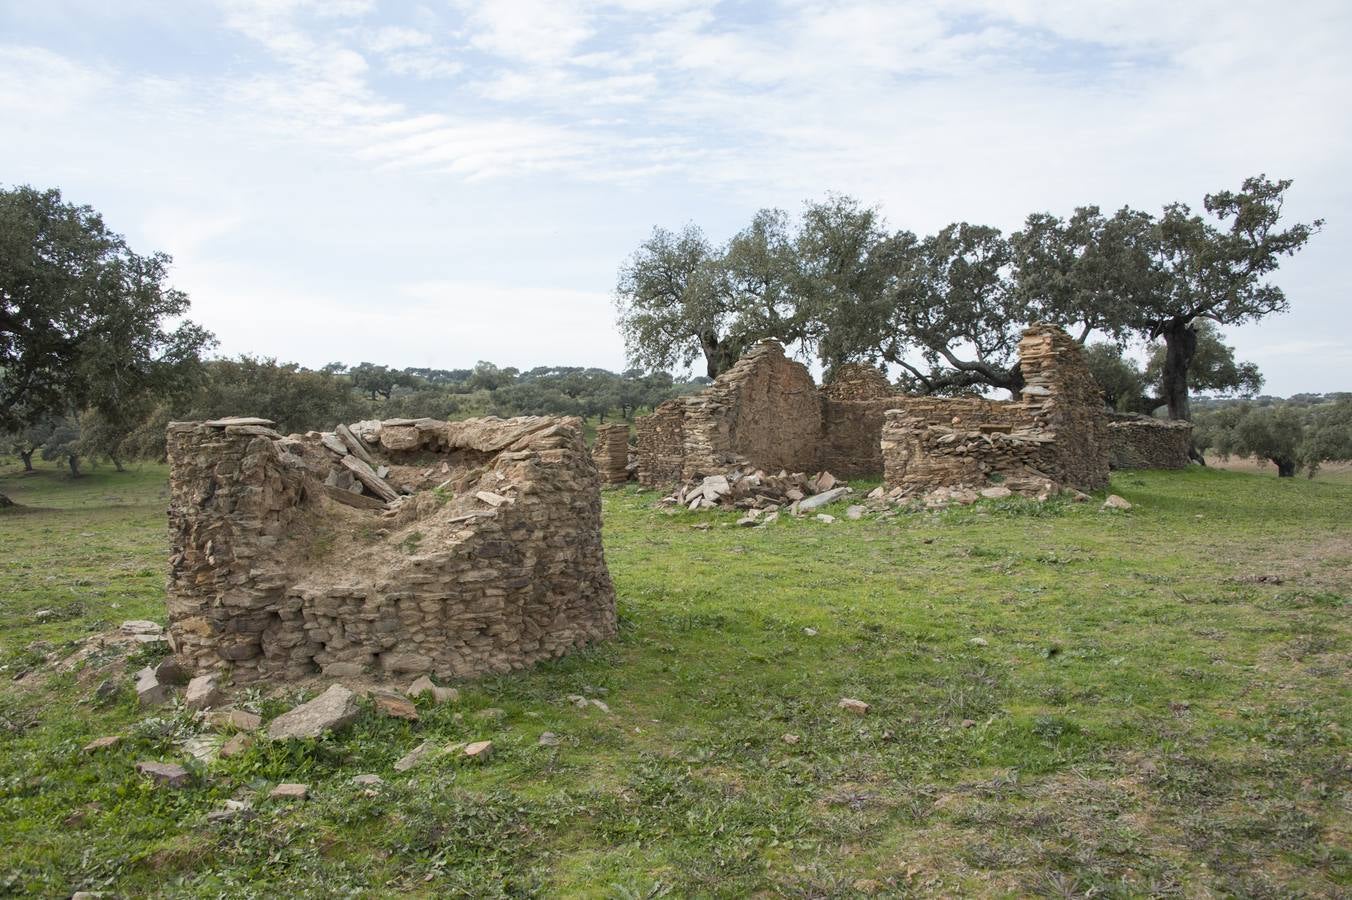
x=96 y=357
x=947 y=309
x=1297 y=434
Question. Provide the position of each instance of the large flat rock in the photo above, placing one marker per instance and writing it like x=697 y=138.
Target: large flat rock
x=332 y=710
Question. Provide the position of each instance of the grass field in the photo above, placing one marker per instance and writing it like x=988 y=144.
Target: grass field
x=1065 y=702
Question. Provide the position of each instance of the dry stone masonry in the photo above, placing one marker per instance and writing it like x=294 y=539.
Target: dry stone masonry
x=764 y=415
x=1142 y=442
x=1055 y=436
x=611 y=452
x=402 y=547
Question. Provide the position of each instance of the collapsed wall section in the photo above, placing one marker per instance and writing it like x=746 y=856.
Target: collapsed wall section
x=1142 y=442
x=486 y=558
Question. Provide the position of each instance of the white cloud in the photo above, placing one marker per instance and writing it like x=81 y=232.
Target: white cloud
x=548 y=137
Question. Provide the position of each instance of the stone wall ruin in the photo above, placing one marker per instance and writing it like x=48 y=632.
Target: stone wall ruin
x=1142 y=442
x=765 y=414
x=391 y=548
x=1055 y=436
x=611 y=452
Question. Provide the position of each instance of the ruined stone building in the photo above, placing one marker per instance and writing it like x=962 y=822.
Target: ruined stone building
x=390 y=548
x=767 y=413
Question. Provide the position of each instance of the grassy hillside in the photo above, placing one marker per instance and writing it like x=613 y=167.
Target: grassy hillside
x=1065 y=701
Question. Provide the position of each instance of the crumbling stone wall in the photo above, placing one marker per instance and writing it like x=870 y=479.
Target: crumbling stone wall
x=764 y=412
x=851 y=441
x=408 y=546
x=1142 y=442
x=611 y=453
x=1054 y=436
x=857 y=381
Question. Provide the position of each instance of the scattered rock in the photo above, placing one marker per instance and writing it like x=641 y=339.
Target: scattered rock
x=790 y=738
x=149 y=691
x=810 y=631
x=968 y=723
x=978 y=642
x=492 y=499
x=239 y=719
x=998 y=492
x=368 y=780
x=289 y=791
x=491 y=714
x=440 y=695
x=396 y=706
x=807 y=504
x=106 y=690
x=855 y=512
x=549 y=739
x=332 y=710
x=858 y=707
x=141 y=626
x=1116 y=502
x=171 y=671
x=203 y=691
x=203 y=747
x=414 y=757
x=600 y=704
x=102 y=743
x=236 y=745
x=169 y=774
x=478 y=751
x=824 y=518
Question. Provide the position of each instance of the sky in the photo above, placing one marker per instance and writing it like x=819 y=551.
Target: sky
x=433 y=184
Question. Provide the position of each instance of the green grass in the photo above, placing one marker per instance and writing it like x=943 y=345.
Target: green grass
x=1065 y=702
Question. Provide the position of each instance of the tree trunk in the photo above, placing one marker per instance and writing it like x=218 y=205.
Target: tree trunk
x=27 y=460
x=1180 y=344
x=74 y=462
x=117 y=463
x=1286 y=468
x=716 y=355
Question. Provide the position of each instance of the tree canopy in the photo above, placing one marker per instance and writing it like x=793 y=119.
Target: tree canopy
x=948 y=309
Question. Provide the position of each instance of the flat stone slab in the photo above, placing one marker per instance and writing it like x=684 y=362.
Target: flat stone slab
x=289 y=791
x=203 y=691
x=238 y=420
x=440 y=695
x=102 y=743
x=825 y=497
x=169 y=774
x=332 y=710
x=395 y=706
x=858 y=707
x=478 y=751
x=414 y=757
x=149 y=690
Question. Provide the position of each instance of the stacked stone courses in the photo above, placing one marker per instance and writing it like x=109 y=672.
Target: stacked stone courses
x=1141 y=442
x=611 y=452
x=390 y=548
x=765 y=414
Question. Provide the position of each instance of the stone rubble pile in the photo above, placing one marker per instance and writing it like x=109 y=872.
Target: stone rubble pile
x=794 y=493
